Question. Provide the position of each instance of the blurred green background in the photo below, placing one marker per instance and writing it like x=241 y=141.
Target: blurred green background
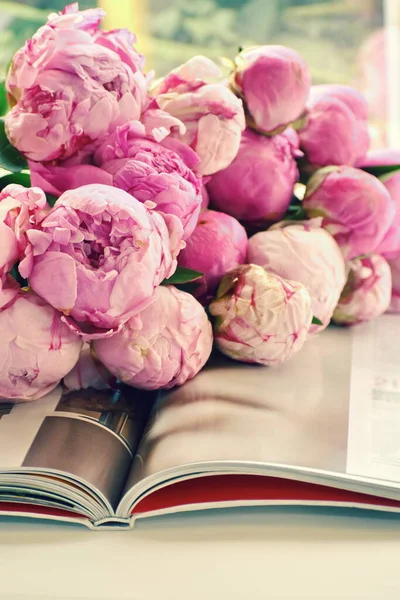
x=328 y=33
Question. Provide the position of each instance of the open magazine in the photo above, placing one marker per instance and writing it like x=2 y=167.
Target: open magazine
x=322 y=429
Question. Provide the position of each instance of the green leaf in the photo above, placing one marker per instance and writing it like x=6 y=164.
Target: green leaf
x=15 y=273
x=51 y=199
x=10 y=158
x=20 y=178
x=295 y=213
x=381 y=170
x=227 y=283
x=182 y=275
x=3 y=99
x=316 y=321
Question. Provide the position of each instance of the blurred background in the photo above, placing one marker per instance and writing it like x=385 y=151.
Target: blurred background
x=344 y=41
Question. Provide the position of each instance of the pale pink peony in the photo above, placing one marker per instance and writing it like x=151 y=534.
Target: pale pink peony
x=394 y=264
x=21 y=209
x=258 y=186
x=367 y=292
x=356 y=208
x=72 y=85
x=390 y=245
x=213 y=116
x=36 y=348
x=260 y=317
x=217 y=245
x=163 y=346
x=87 y=373
x=306 y=253
x=99 y=255
x=336 y=128
x=274 y=82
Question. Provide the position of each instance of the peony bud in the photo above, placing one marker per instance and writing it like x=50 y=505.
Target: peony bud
x=306 y=253
x=260 y=317
x=258 y=186
x=394 y=264
x=390 y=245
x=355 y=206
x=336 y=128
x=274 y=82
x=367 y=292
x=217 y=245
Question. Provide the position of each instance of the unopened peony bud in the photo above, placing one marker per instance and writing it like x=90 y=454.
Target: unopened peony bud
x=260 y=317
x=217 y=245
x=258 y=186
x=274 y=82
x=336 y=127
x=355 y=206
x=306 y=253
x=367 y=292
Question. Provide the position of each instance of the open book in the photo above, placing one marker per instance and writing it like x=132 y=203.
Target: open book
x=323 y=428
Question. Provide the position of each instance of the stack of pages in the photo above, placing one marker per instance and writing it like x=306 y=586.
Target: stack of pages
x=322 y=429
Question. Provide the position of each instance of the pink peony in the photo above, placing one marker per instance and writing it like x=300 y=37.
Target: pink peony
x=213 y=116
x=21 y=209
x=258 y=186
x=56 y=177
x=9 y=290
x=36 y=348
x=274 y=82
x=355 y=206
x=72 y=85
x=147 y=170
x=306 y=253
x=217 y=245
x=163 y=346
x=205 y=198
x=367 y=292
x=336 y=128
x=60 y=177
x=260 y=317
x=150 y=171
x=99 y=255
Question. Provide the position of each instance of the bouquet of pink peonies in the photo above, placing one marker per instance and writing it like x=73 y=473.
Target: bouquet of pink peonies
x=143 y=222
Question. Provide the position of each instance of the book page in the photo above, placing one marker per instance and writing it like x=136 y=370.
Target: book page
x=19 y=425
x=374 y=417
x=334 y=407
x=90 y=435
x=293 y=414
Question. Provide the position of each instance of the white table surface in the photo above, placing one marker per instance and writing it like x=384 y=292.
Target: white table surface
x=252 y=554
